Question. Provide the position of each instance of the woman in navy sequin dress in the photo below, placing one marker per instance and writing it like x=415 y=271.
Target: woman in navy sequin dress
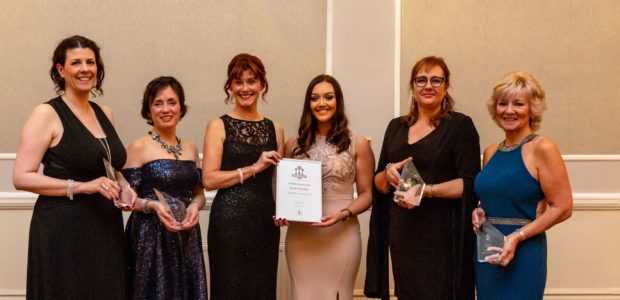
x=240 y=151
x=524 y=181
x=165 y=256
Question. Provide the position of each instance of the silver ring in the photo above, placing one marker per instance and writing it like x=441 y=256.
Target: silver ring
x=104 y=186
x=269 y=156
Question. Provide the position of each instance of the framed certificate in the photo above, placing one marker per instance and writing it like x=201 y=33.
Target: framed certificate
x=299 y=194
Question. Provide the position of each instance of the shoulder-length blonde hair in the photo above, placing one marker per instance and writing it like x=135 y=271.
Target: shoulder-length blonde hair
x=520 y=83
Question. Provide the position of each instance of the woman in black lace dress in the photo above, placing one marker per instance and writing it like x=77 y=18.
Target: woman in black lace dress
x=241 y=149
x=75 y=250
x=164 y=254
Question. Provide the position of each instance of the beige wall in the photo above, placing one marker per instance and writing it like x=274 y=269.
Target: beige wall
x=363 y=62
x=140 y=40
x=571 y=47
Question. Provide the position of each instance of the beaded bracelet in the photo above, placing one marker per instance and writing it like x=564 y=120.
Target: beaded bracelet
x=145 y=206
x=70 y=184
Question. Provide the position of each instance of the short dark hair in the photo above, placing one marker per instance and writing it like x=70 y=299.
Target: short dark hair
x=154 y=87
x=60 y=56
x=245 y=62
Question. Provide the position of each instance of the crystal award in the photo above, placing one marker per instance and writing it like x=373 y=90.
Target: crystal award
x=410 y=185
x=490 y=241
x=173 y=205
x=109 y=170
x=125 y=197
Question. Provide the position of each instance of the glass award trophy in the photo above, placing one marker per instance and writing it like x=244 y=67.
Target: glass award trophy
x=109 y=169
x=489 y=241
x=173 y=205
x=410 y=185
x=125 y=197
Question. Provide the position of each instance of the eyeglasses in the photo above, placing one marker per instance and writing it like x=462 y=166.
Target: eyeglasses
x=421 y=81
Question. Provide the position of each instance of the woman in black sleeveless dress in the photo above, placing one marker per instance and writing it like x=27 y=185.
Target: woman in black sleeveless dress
x=76 y=233
x=240 y=150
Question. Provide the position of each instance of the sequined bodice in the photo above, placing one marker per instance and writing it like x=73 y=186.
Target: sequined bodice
x=177 y=178
x=338 y=168
x=164 y=265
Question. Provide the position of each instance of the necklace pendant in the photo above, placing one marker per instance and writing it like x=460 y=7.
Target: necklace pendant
x=174 y=150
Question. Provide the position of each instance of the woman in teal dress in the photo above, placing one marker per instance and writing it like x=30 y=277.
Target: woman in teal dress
x=523 y=190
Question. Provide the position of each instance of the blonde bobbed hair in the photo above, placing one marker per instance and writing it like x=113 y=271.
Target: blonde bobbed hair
x=520 y=83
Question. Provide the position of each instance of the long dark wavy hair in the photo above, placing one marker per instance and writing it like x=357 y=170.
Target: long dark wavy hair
x=60 y=56
x=338 y=134
x=447 y=103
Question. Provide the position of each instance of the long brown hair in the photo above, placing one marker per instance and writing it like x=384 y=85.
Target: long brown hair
x=338 y=134
x=447 y=105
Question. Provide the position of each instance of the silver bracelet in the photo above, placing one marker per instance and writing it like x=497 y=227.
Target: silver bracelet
x=70 y=184
x=145 y=206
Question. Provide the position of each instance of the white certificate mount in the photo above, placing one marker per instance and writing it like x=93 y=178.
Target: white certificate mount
x=299 y=193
